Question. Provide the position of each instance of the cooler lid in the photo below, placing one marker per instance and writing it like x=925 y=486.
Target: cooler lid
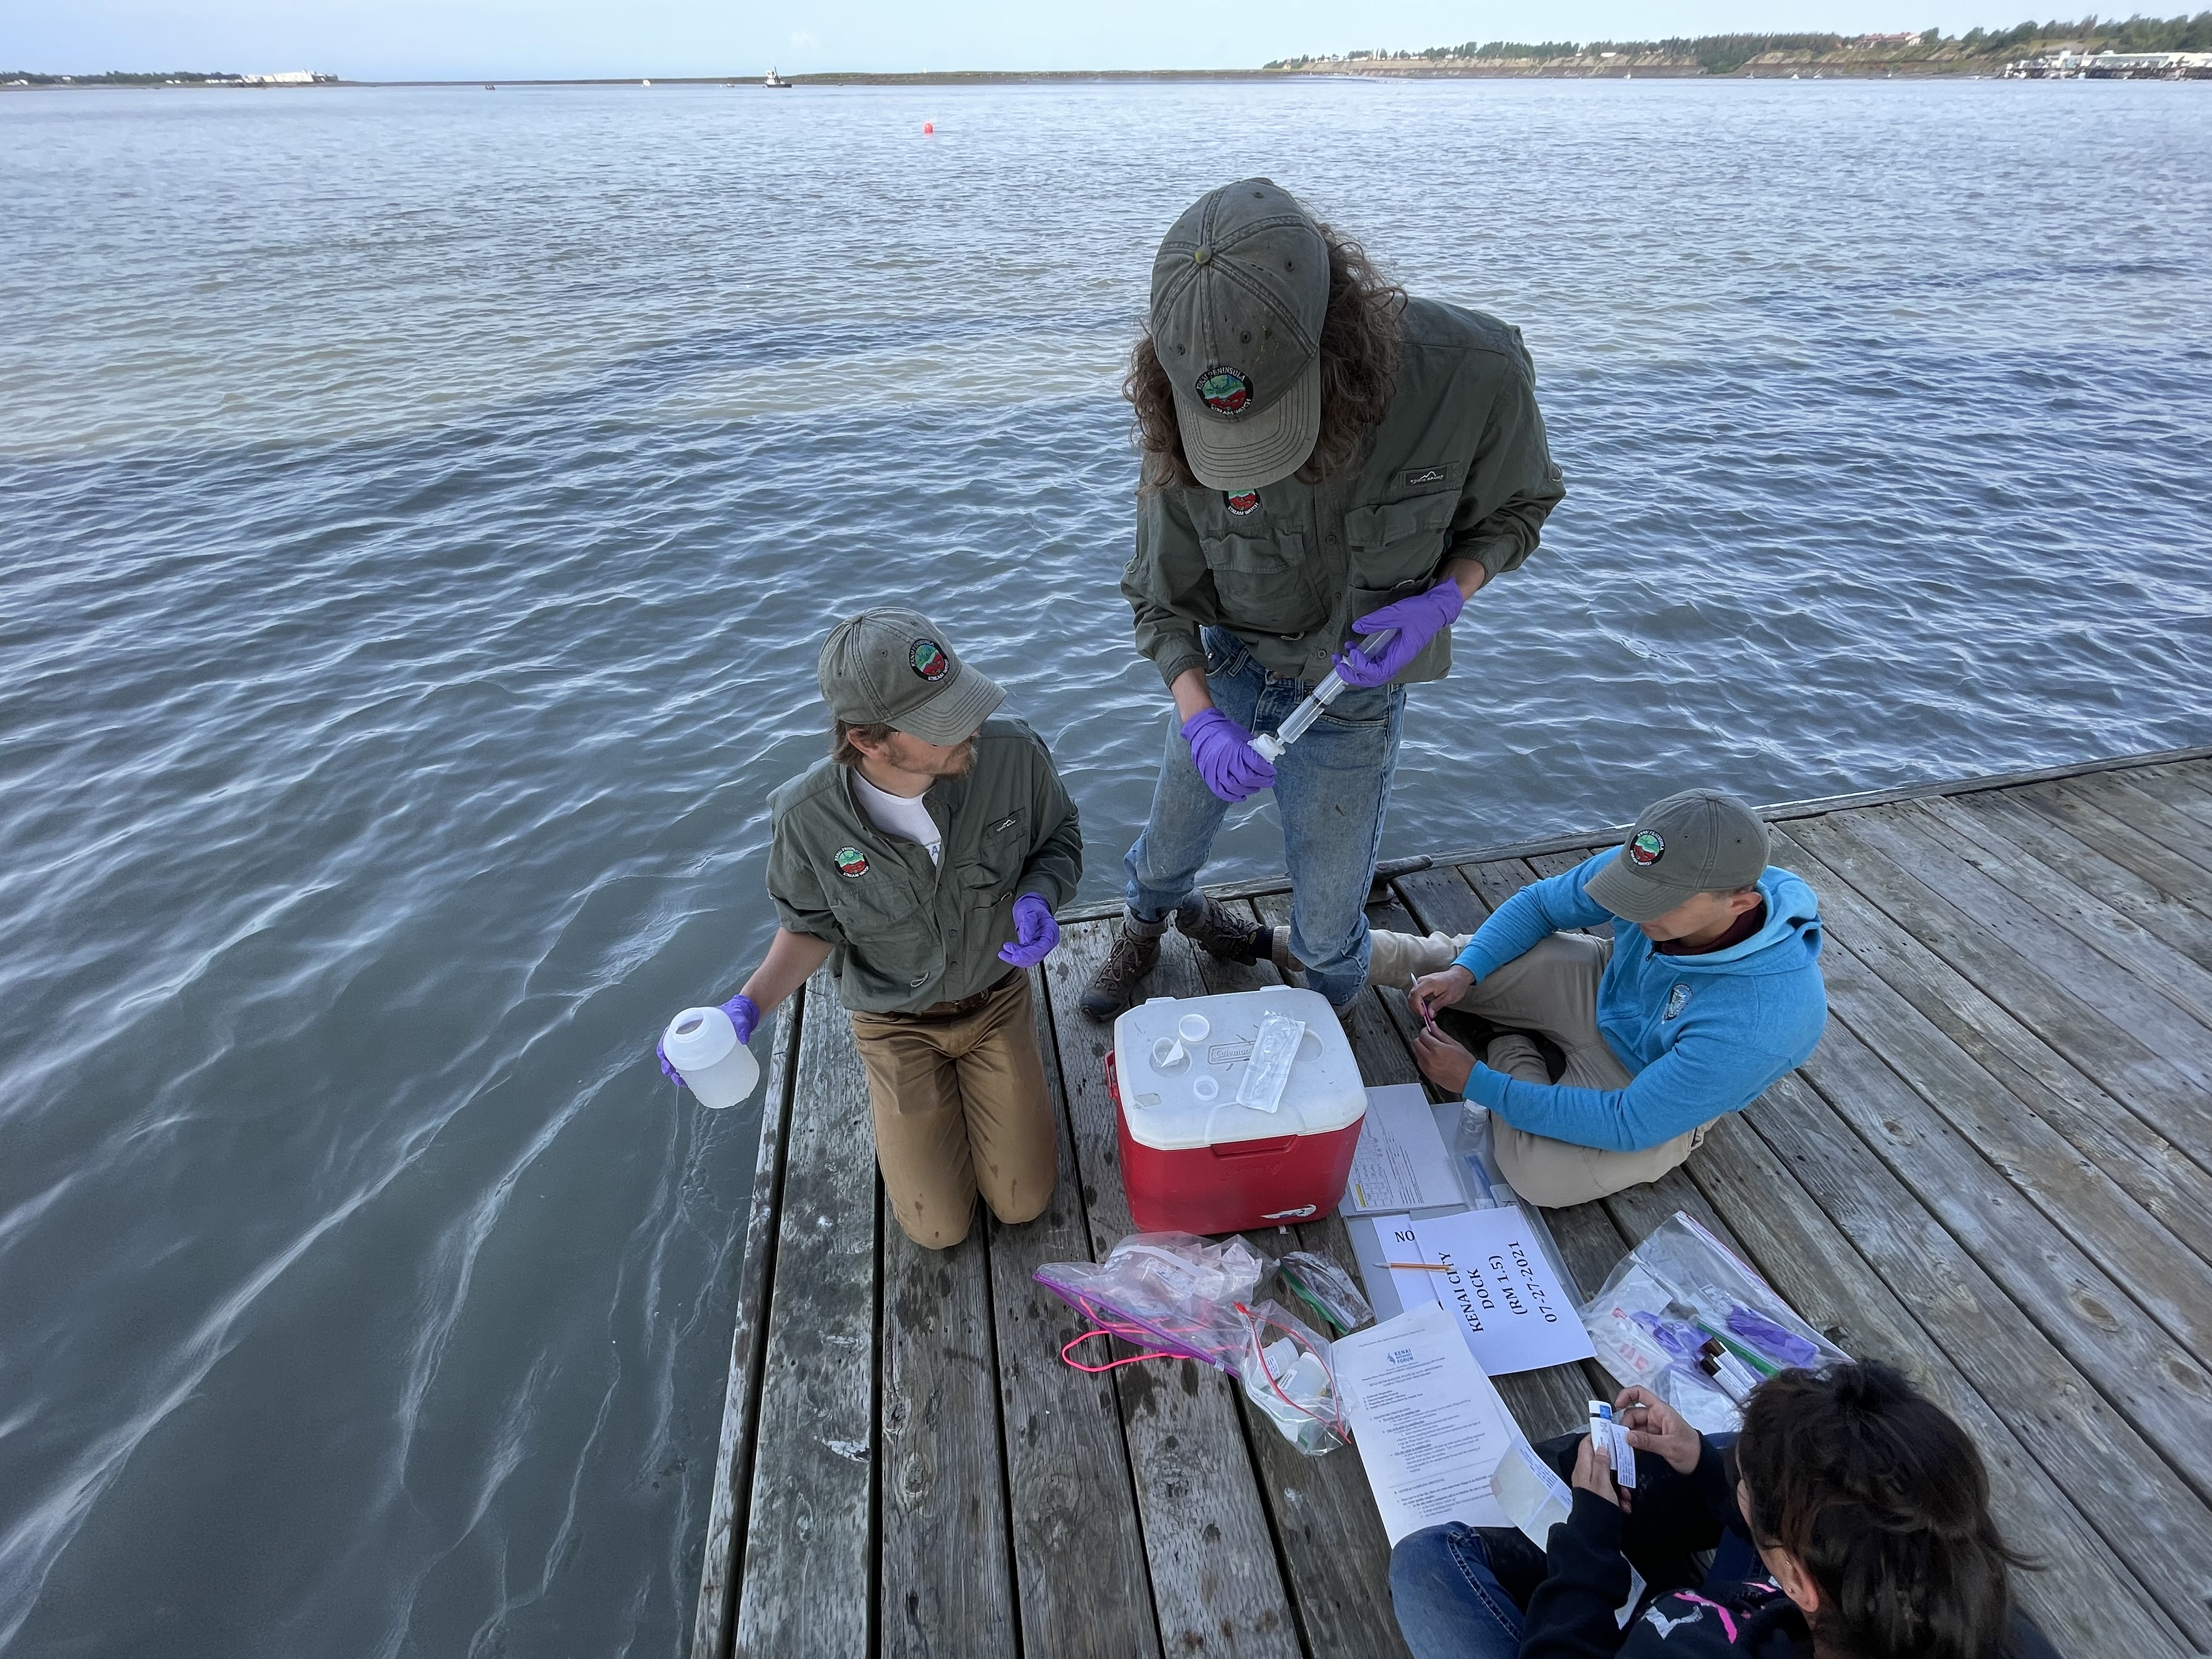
x=1173 y=1105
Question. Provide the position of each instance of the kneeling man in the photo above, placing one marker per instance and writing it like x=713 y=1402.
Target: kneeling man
x=923 y=858
x=1709 y=990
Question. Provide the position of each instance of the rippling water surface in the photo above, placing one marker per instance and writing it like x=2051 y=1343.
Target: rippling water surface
x=421 y=508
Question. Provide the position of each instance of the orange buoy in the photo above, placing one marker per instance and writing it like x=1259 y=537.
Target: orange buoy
x=928 y=128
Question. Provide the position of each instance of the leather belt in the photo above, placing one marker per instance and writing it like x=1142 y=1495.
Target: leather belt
x=964 y=1005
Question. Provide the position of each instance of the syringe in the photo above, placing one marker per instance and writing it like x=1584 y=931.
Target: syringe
x=1269 y=745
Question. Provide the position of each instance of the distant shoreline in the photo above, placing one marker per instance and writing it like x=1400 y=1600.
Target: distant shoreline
x=1505 y=70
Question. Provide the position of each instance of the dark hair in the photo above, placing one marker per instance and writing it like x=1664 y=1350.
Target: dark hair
x=841 y=739
x=1359 y=346
x=1884 y=1500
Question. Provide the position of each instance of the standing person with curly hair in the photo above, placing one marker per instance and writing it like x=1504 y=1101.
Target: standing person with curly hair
x=1323 y=457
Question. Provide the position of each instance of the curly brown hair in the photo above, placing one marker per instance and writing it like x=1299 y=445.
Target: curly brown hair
x=1359 y=346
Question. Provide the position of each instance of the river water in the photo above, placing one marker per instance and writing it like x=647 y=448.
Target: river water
x=422 y=508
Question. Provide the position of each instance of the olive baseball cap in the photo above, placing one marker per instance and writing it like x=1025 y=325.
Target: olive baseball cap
x=1240 y=289
x=891 y=666
x=1701 y=841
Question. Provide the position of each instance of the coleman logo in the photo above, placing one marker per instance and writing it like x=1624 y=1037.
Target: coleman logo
x=1646 y=847
x=929 y=660
x=1225 y=391
x=1677 y=999
x=1248 y=502
x=851 y=863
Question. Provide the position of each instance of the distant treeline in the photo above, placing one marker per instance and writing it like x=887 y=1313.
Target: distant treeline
x=113 y=78
x=1723 y=54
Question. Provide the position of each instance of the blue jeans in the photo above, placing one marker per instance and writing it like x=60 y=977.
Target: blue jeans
x=1450 y=1602
x=1331 y=787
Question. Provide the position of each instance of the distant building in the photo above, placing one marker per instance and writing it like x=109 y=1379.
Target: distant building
x=286 y=78
x=1905 y=39
x=2069 y=65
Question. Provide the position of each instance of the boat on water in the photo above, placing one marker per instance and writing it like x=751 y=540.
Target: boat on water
x=774 y=80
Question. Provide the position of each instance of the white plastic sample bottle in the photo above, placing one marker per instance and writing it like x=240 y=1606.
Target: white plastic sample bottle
x=702 y=1045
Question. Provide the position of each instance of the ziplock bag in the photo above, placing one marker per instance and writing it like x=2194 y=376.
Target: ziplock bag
x=1174 y=1293
x=1684 y=1318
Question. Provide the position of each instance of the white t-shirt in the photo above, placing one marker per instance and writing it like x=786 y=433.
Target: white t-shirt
x=898 y=815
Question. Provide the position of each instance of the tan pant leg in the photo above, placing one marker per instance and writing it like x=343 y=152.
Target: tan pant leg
x=1400 y=958
x=1552 y=989
x=1011 y=1140
x=921 y=1131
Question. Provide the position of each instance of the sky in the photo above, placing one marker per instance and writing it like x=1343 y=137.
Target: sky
x=375 y=40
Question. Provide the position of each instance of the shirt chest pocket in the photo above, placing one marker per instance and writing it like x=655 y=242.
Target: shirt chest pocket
x=1261 y=581
x=989 y=869
x=1398 y=541
x=875 y=908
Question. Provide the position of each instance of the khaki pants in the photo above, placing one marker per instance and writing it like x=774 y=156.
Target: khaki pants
x=960 y=1107
x=1550 y=988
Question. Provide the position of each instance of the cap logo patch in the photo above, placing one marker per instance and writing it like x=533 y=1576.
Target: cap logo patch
x=1677 y=999
x=1248 y=502
x=852 y=864
x=1646 y=847
x=1225 y=391
x=929 y=660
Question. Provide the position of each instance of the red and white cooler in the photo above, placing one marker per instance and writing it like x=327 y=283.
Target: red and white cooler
x=1194 y=1161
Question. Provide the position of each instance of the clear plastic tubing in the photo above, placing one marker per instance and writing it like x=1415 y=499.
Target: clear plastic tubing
x=1269 y=745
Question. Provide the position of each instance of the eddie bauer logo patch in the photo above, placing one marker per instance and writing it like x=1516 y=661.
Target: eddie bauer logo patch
x=1002 y=824
x=1677 y=999
x=852 y=864
x=1426 y=475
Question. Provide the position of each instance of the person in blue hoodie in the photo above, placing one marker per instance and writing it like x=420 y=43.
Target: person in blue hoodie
x=1708 y=991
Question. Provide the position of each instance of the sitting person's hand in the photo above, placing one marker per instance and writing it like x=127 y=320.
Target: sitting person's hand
x=1442 y=1062
x=1439 y=990
x=1594 y=1473
x=1654 y=1425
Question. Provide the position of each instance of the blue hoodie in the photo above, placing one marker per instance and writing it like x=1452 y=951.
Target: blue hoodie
x=1700 y=1035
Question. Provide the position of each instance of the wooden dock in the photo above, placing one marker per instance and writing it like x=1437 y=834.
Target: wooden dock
x=1996 y=1172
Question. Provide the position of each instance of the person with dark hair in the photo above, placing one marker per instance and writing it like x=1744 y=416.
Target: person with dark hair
x=1854 y=1525
x=1324 y=459
x=1709 y=990
x=922 y=858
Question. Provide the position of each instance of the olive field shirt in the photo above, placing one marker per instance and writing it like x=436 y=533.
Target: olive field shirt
x=1457 y=469
x=910 y=933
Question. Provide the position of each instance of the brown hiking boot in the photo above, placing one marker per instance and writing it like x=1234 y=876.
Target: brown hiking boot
x=1136 y=952
x=1221 y=933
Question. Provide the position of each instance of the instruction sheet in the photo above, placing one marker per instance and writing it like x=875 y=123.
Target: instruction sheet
x=1429 y=1426
x=1400 y=1163
x=1488 y=1268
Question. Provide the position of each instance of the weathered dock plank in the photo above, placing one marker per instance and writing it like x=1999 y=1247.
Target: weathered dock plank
x=945 y=1557
x=1078 y=1555
x=811 y=1564
x=1217 y=1585
x=729 y=1502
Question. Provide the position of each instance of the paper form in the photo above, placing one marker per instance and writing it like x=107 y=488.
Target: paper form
x=1400 y=1162
x=1429 y=1424
x=1498 y=1280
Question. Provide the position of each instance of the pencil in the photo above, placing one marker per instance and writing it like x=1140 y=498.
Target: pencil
x=1420 y=1267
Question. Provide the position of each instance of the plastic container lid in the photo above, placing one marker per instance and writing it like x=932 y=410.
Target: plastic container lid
x=1169 y=1111
x=697 y=1037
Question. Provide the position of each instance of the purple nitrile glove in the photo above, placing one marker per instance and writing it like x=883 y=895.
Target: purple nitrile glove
x=1034 y=932
x=1418 y=620
x=743 y=1013
x=1222 y=750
